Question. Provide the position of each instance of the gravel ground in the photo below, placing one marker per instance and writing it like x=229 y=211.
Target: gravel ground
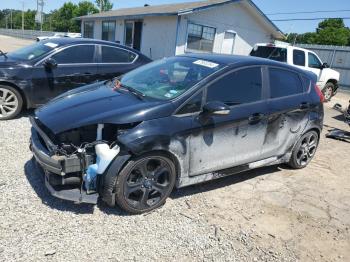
x=271 y=214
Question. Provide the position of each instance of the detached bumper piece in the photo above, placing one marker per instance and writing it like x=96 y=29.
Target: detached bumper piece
x=62 y=173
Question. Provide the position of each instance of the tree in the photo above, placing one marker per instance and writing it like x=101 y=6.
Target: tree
x=104 y=5
x=62 y=19
x=329 y=32
x=331 y=22
x=86 y=8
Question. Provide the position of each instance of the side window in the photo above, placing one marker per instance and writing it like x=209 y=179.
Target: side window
x=314 y=62
x=242 y=86
x=298 y=57
x=192 y=106
x=76 y=55
x=284 y=83
x=116 y=55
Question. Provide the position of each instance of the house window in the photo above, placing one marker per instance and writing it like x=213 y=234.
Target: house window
x=89 y=29
x=200 y=37
x=108 y=30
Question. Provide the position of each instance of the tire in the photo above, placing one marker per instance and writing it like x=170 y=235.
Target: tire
x=304 y=150
x=145 y=183
x=328 y=91
x=11 y=102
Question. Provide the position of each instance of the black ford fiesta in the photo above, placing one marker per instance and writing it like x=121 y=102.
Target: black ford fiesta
x=31 y=76
x=173 y=123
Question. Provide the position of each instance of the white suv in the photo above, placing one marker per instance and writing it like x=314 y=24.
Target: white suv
x=327 y=78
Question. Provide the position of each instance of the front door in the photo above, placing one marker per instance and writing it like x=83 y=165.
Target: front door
x=133 y=33
x=220 y=142
x=75 y=67
x=228 y=43
x=314 y=65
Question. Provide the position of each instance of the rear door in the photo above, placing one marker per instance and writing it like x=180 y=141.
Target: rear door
x=115 y=61
x=220 y=142
x=288 y=111
x=75 y=67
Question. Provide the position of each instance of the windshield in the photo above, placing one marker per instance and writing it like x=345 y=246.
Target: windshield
x=169 y=77
x=270 y=52
x=32 y=51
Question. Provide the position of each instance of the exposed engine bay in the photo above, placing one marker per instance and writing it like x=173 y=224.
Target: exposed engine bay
x=82 y=154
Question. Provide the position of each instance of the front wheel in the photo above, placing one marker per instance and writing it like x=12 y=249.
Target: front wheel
x=328 y=91
x=145 y=183
x=304 y=150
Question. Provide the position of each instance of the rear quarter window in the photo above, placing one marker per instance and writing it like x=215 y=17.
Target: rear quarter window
x=116 y=55
x=284 y=83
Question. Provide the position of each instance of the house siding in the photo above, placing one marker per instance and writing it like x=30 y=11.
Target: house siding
x=158 y=36
x=164 y=36
x=231 y=17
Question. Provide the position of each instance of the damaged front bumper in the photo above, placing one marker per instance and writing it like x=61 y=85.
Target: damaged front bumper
x=63 y=174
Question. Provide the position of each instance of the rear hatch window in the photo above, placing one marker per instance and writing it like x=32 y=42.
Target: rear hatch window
x=270 y=52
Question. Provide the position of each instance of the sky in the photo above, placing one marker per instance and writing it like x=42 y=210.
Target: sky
x=269 y=7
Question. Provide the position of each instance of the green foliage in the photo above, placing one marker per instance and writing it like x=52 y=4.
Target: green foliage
x=329 y=32
x=333 y=22
x=61 y=19
x=104 y=5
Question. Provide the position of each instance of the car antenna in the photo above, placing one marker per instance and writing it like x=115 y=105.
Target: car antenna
x=4 y=54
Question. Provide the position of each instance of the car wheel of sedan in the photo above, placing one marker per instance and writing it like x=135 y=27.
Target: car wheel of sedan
x=145 y=183
x=328 y=91
x=10 y=102
x=304 y=150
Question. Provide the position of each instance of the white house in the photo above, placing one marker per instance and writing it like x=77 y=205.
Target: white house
x=218 y=26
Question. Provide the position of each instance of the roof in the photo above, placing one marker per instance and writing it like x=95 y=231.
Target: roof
x=177 y=9
x=241 y=60
x=62 y=41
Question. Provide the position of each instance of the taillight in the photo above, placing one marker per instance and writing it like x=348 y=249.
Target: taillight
x=319 y=93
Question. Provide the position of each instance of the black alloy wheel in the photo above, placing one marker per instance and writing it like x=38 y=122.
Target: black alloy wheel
x=145 y=183
x=304 y=150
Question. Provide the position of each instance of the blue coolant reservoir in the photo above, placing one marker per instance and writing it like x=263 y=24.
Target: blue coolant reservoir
x=104 y=156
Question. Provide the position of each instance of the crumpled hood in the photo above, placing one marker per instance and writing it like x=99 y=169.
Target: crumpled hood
x=94 y=104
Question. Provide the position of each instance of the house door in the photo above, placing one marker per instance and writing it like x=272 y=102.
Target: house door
x=227 y=44
x=133 y=32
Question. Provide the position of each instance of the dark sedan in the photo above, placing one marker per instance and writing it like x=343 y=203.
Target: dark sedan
x=176 y=122
x=31 y=76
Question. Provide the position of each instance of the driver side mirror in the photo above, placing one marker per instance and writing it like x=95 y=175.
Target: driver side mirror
x=324 y=65
x=50 y=63
x=216 y=108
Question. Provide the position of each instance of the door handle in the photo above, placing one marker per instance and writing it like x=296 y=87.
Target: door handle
x=255 y=117
x=304 y=105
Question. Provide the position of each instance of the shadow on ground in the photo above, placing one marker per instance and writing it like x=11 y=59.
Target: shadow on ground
x=35 y=176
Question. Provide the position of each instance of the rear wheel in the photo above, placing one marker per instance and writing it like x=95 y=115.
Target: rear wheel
x=304 y=150
x=11 y=102
x=328 y=91
x=145 y=183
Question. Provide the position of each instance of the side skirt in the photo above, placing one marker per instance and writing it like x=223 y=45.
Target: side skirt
x=187 y=181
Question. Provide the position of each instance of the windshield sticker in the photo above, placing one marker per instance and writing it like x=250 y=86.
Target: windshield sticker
x=205 y=63
x=52 y=45
x=174 y=92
